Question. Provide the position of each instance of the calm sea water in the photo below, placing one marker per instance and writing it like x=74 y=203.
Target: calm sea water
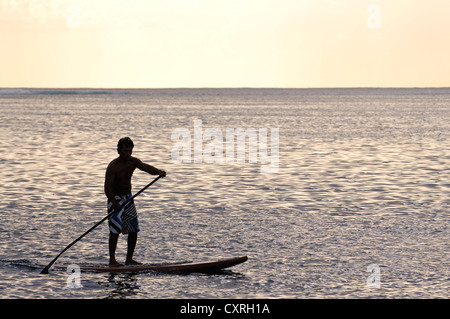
x=358 y=207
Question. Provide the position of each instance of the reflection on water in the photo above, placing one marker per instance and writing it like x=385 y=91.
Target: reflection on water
x=132 y=285
x=121 y=286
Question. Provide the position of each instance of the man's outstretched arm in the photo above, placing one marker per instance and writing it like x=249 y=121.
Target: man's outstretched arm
x=149 y=168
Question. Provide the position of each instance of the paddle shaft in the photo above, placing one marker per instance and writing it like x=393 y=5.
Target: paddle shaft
x=45 y=270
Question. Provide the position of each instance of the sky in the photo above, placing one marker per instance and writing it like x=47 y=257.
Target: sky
x=224 y=43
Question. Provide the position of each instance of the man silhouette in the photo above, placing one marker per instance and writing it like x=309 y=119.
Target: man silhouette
x=118 y=190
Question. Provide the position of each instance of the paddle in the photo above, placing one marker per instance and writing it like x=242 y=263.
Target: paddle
x=45 y=270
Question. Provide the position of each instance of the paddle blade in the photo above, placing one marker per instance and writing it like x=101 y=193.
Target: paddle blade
x=44 y=271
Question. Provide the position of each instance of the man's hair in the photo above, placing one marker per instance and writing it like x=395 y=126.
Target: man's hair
x=124 y=141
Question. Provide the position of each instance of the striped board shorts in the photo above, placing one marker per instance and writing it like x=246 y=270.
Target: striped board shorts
x=125 y=221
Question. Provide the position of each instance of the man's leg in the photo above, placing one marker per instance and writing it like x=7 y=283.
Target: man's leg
x=132 y=239
x=112 y=249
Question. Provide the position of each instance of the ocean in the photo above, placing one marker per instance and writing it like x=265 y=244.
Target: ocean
x=337 y=193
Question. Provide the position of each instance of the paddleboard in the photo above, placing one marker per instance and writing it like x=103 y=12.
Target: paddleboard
x=190 y=267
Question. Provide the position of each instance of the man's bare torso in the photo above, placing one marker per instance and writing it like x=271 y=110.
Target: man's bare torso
x=121 y=172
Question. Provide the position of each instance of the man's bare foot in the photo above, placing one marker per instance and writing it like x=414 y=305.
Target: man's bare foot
x=114 y=264
x=132 y=262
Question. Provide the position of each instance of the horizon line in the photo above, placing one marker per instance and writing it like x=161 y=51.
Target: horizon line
x=224 y=87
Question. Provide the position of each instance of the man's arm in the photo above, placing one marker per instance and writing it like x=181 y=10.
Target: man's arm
x=109 y=192
x=149 y=168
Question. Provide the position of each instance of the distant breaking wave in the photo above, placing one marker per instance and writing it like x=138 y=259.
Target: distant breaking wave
x=14 y=91
x=61 y=91
x=237 y=91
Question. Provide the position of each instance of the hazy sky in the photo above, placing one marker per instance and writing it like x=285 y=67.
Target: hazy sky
x=224 y=43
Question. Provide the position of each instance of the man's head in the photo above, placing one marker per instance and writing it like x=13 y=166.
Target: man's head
x=125 y=144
